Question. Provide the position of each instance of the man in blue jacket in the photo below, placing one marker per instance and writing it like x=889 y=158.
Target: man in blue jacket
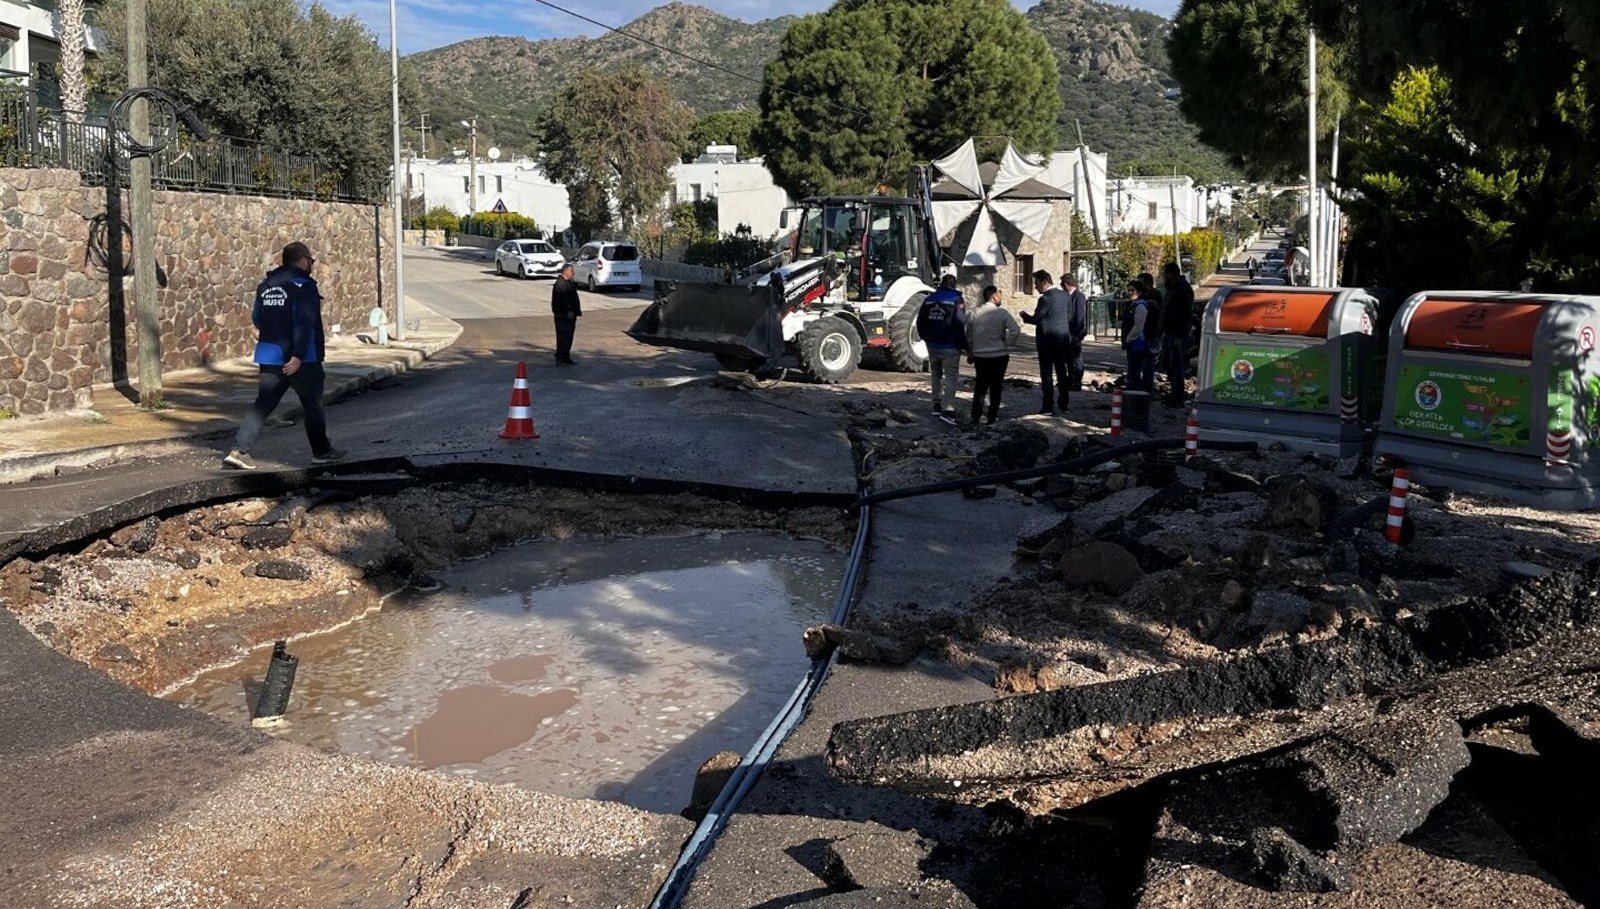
x=942 y=325
x=288 y=315
x=1060 y=324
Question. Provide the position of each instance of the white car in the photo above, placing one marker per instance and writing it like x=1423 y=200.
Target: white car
x=528 y=259
x=603 y=264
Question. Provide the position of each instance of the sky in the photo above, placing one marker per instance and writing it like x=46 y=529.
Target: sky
x=427 y=24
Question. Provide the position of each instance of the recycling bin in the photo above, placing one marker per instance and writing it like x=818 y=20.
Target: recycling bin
x=1302 y=366
x=1496 y=393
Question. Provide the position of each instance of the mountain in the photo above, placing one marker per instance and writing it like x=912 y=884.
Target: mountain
x=1113 y=63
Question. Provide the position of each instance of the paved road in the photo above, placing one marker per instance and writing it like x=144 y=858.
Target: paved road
x=461 y=283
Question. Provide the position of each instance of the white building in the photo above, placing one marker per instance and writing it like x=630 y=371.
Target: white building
x=1066 y=169
x=515 y=186
x=1157 y=205
x=744 y=190
x=30 y=44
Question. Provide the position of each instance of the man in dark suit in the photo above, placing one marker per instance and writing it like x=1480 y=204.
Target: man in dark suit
x=566 y=307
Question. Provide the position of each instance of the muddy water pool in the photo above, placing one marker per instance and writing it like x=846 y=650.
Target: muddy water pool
x=597 y=669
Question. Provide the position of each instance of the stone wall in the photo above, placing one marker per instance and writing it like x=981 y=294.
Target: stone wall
x=61 y=332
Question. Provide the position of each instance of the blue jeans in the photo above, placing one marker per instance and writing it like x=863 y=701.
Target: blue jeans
x=307 y=383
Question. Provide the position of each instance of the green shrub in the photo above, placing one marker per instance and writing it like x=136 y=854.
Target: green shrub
x=509 y=225
x=737 y=250
x=437 y=218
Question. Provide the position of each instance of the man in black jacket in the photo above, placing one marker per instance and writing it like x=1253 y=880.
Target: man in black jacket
x=1177 y=318
x=290 y=351
x=566 y=307
x=1080 y=331
x=1055 y=336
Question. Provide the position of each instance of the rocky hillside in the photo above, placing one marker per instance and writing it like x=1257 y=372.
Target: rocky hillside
x=1112 y=59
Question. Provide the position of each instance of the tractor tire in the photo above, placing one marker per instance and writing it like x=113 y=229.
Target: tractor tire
x=907 y=352
x=736 y=363
x=829 y=350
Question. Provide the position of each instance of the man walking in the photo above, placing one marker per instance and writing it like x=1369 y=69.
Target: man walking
x=566 y=307
x=1177 y=318
x=1052 y=321
x=288 y=315
x=942 y=325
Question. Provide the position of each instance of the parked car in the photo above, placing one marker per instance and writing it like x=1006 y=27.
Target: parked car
x=606 y=264
x=528 y=259
x=1269 y=281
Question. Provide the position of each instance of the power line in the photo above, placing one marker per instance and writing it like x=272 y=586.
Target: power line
x=706 y=63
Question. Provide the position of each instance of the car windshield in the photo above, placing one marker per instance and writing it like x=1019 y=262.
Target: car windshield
x=536 y=246
x=620 y=253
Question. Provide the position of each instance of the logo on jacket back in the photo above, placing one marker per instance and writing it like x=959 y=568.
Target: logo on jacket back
x=274 y=296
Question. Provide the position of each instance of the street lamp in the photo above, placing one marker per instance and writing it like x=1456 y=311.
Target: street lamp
x=472 y=166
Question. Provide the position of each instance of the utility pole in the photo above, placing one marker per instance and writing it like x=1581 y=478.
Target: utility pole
x=1314 y=261
x=1172 y=205
x=472 y=165
x=424 y=130
x=401 y=193
x=147 y=312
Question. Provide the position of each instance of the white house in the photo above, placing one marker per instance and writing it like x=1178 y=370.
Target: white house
x=1066 y=169
x=517 y=186
x=30 y=43
x=1157 y=205
x=744 y=190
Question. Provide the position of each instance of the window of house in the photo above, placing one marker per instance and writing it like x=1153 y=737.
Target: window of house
x=1155 y=211
x=1022 y=276
x=694 y=192
x=499 y=184
x=483 y=184
x=466 y=184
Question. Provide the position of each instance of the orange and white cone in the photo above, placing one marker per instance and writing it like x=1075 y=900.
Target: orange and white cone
x=1397 y=505
x=1191 y=438
x=1116 y=412
x=519 y=419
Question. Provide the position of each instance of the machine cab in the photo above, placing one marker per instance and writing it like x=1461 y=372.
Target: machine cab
x=875 y=239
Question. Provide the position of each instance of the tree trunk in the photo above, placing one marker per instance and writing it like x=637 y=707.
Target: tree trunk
x=74 y=94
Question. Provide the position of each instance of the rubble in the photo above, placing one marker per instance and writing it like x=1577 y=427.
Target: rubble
x=1102 y=566
x=855 y=644
x=877 y=857
x=709 y=781
x=1281 y=863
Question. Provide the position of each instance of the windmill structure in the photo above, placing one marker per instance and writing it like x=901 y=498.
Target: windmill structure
x=984 y=195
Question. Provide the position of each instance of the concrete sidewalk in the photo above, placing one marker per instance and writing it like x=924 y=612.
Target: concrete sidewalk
x=202 y=403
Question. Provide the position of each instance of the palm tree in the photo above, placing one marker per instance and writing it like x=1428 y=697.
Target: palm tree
x=74 y=93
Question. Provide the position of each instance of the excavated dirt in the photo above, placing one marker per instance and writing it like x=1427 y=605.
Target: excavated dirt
x=156 y=601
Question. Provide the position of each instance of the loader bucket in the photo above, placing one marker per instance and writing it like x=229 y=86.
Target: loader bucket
x=728 y=319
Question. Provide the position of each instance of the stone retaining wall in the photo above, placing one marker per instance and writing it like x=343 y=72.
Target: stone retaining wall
x=59 y=330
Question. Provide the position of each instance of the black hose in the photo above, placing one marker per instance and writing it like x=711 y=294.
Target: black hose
x=274 y=700
x=119 y=121
x=1352 y=520
x=1075 y=465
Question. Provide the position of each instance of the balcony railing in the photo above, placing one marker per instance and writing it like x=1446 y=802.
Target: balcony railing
x=35 y=136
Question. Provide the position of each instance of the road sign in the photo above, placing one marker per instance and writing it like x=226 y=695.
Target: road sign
x=499 y=207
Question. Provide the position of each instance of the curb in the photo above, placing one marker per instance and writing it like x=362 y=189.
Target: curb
x=39 y=465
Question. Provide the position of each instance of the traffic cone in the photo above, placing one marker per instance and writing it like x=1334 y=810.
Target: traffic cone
x=519 y=419
x=1395 y=523
x=1191 y=438
x=1116 y=412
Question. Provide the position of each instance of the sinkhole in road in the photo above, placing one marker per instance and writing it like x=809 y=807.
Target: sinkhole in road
x=597 y=668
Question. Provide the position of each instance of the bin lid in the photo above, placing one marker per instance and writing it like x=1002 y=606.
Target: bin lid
x=1274 y=312
x=1476 y=326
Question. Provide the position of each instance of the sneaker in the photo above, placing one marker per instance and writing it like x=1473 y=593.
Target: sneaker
x=331 y=456
x=238 y=460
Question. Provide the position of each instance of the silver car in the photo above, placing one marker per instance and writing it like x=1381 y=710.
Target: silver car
x=528 y=259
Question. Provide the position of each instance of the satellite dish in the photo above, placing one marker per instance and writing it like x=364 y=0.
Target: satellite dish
x=494 y=153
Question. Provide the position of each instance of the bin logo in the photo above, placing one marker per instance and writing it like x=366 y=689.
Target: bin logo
x=1586 y=338
x=1243 y=372
x=1428 y=395
x=1473 y=319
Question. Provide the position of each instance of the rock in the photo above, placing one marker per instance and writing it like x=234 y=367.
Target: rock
x=1053 y=551
x=1524 y=571
x=1116 y=482
x=903 y=416
x=1225 y=480
x=1102 y=566
x=1232 y=594
x=275 y=536
x=1276 y=611
x=1296 y=504
x=282 y=570
x=140 y=537
x=1324 y=616
x=861 y=646
x=187 y=559
x=709 y=782
x=1021 y=446
x=118 y=652
x=880 y=857
x=1281 y=863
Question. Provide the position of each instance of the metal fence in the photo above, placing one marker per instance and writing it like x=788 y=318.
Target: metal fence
x=36 y=136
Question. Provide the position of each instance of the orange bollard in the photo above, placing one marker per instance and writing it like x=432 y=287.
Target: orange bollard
x=1191 y=438
x=1397 y=505
x=1116 y=412
x=519 y=419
